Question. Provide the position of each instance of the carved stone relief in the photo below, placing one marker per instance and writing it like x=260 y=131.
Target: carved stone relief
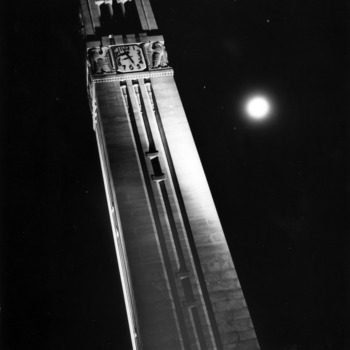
x=100 y=60
x=157 y=55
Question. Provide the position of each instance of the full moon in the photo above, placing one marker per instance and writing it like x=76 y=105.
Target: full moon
x=257 y=107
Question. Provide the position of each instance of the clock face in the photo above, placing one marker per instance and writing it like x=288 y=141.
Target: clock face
x=129 y=58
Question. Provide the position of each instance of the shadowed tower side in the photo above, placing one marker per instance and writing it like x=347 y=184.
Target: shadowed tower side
x=180 y=285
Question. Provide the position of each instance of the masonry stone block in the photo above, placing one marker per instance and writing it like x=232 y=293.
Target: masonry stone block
x=229 y=337
x=229 y=305
x=244 y=345
x=241 y=314
x=242 y=325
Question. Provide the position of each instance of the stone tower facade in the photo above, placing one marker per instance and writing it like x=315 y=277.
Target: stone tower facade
x=179 y=282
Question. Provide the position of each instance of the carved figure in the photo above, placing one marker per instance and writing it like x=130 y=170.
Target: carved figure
x=157 y=55
x=100 y=60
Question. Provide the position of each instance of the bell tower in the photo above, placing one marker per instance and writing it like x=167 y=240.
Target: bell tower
x=180 y=286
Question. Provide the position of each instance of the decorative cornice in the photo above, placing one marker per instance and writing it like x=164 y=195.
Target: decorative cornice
x=134 y=76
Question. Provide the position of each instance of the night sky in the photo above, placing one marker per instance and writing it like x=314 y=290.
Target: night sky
x=280 y=186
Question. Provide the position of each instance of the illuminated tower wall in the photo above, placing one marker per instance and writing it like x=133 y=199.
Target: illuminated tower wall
x=180 y=285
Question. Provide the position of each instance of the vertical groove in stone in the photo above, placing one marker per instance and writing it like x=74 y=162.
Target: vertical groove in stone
x=160 y=233
x=185 y=282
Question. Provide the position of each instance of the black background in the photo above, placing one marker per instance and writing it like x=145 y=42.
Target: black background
x=280 y=186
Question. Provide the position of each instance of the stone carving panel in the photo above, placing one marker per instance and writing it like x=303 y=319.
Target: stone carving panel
x=157 y=55
x=100 y=61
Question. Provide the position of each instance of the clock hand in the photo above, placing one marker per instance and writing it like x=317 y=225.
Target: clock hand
x=129 y=57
